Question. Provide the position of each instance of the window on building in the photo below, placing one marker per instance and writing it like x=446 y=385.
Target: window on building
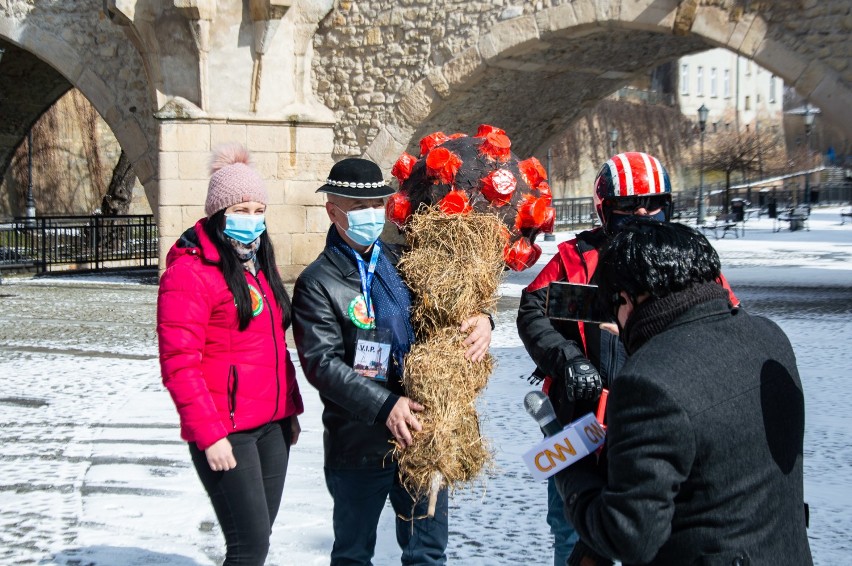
x=699 y=81
x=748 y=103
x=727 y=85
x=713 y=90
x=684 y=79
x=772 y=89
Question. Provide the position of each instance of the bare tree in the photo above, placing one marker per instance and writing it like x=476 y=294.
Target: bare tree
x=654 y=128
x=117 y=199
x=742 y=152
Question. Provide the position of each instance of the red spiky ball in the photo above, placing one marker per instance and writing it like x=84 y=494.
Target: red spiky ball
x=461 y=173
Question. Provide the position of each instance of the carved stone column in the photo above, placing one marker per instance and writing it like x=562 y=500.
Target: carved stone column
x=200 y=14
x=266 y=16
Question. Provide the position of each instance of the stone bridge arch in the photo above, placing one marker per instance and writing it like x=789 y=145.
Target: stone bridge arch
x=52 y=48
x=534 y=71
x=176 y=78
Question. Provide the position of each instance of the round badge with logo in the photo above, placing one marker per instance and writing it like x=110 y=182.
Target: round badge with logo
x=358 y=313
x=256 y=301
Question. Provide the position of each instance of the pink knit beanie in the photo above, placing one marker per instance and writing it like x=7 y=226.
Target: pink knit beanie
x=233 y=180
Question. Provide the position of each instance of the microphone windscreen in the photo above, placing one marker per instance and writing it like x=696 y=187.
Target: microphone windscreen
x=539 y=407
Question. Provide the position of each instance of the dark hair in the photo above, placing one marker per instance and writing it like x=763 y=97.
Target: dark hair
x=657 y=258
x=232 y=269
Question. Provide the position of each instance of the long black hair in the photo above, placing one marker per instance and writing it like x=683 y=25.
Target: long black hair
x=232 y=269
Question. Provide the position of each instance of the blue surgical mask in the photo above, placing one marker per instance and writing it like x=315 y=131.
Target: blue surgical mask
x=365 y=225
x=245 y=228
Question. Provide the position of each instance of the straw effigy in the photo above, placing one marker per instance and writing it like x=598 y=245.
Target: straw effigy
x=469 y=209
x=454 y=266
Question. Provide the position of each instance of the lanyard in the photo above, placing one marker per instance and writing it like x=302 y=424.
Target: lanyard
x=366 y=273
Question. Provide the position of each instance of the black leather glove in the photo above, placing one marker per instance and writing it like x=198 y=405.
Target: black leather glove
x=583 y=379
x=583 y=555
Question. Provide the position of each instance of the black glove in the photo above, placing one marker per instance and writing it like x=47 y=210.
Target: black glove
x=583 y=379
x=583 y=555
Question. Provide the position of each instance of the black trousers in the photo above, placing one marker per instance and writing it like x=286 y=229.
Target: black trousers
x=246 y=498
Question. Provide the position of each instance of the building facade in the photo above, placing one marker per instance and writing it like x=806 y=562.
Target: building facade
x=738 y=93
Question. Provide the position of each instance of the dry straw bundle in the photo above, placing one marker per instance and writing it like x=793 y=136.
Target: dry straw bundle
x=454 y=267
x=469 y=208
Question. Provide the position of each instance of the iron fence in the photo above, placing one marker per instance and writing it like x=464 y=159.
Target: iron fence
x=574 y=212
x=761 y=197
x=579 y=212
x=48 y=243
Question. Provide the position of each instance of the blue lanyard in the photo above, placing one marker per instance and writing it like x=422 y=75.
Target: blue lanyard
x=366 y=274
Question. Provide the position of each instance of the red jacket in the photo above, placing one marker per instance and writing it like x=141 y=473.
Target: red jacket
x=221 y=379
x=552 y=343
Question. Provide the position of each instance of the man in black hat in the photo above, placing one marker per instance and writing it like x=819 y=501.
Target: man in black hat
x=351 y=322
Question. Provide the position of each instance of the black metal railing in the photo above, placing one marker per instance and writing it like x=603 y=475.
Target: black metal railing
x=574 y=212
x=48 y=243
x=579 y=212
x=761 y=196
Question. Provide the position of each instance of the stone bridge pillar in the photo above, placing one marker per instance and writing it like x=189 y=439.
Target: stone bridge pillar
x=225 y=72
x=293 y=158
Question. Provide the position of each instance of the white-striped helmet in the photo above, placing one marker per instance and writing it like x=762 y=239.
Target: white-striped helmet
x=631 y=180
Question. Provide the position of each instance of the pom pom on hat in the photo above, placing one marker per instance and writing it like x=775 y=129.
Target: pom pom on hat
x=233 y=180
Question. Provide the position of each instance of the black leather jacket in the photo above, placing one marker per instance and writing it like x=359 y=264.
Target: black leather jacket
x=325 y=338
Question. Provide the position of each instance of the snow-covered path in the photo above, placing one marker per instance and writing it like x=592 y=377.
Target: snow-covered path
x=92 y=470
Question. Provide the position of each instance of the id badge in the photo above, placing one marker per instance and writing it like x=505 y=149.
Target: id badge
x=372 y=353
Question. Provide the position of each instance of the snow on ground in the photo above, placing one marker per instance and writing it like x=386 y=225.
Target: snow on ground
x=93 y=472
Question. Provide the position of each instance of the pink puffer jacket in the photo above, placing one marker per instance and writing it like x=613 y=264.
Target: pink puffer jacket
x=221 y=379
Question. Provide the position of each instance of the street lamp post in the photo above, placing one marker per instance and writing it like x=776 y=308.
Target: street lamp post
x=613 y=140
x=30 y=201
x=703 y=111
x=809 y=122
x=549 y=237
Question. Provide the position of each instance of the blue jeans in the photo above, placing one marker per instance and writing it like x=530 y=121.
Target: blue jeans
x=246 y=498
x=564 y=535
x=359 y=497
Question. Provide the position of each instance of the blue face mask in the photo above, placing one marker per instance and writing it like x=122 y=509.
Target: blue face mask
x=245 y=228
x=365 y=225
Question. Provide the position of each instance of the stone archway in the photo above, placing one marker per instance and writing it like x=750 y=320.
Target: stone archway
x=544 y=68
x=99 y=63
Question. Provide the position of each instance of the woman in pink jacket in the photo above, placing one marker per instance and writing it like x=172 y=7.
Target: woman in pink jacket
x=222 y=312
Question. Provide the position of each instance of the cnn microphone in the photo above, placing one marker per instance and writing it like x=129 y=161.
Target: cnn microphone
x=539 y=407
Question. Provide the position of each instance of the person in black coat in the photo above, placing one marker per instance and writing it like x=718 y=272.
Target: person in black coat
x=350 y=305
x=705 y=420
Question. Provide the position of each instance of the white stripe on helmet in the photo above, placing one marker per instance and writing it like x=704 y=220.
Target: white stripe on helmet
x=662 y=186
x=628 y=174
x=649 y=171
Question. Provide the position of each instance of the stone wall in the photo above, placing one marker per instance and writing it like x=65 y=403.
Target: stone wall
x=80 y=42
x=305 y=82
